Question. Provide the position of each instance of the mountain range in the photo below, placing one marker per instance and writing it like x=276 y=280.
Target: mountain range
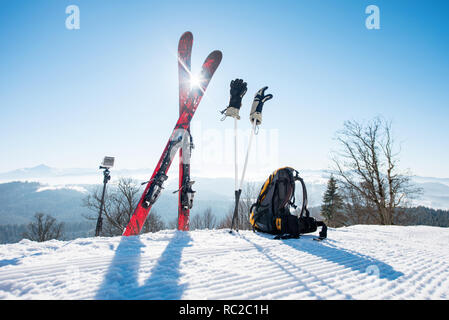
x=60 y=192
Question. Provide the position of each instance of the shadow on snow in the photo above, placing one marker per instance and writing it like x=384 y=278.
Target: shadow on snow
x=286 y=266
x=345 y=257
x=121 y=279
x=326 y=250
x=7 y=262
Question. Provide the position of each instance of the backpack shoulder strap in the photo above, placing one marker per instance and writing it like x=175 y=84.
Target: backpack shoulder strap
x=264 y=190
x=304 y=209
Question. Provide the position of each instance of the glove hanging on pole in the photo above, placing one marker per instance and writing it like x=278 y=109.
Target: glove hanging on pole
x=256 y=109
x=238 y=90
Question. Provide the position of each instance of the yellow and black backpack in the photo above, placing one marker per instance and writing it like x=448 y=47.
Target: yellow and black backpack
x=271 y=212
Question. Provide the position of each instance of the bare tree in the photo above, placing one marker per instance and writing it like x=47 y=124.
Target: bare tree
x=44 y=228
x=206 y=220
x=226 y=222
x=249 y=196
x=356 y=209
x=195 y=222
x=367 y=168
x=119 y=205
x=173 y=224
x=209 y=219
x=153 y=223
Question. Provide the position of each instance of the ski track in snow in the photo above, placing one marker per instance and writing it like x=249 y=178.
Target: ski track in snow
x=358 y=262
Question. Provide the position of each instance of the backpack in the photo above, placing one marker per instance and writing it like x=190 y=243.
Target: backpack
x=271 y=212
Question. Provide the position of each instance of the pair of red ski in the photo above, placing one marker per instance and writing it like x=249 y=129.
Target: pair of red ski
x=189 y=99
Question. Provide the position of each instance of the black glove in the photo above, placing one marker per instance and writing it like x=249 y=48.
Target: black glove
x=238 y=90
x=256 y=109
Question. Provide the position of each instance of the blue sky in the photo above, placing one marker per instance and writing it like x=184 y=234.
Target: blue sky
x=69 y=97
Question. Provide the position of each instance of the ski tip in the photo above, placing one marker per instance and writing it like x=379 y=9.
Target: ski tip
x=217 y=54
x=187 y=35
x=214 y=58
x=185 y=46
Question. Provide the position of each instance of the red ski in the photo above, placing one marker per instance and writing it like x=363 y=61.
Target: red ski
x=180 y=131
x=185 y=196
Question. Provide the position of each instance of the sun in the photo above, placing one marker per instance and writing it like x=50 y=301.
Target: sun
x=195 y=81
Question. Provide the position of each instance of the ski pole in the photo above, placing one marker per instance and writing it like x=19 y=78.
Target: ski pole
x=247 y=154
x=238 y=191
x=255 y=118
x=236 y=170
x=237 y=91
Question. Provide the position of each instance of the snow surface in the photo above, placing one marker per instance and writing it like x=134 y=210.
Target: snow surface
x=358 y=262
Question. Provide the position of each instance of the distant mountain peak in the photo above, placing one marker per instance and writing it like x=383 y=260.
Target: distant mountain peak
x=40 y=167
x=28 y=173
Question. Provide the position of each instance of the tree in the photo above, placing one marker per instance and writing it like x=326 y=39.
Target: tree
x=44 y=228
x=119 y=205
x=356 y=208
x=332 y=204
x=206 y=220
x=367 y=167
x=172 y=224
x=153 y=223
x=249 y=196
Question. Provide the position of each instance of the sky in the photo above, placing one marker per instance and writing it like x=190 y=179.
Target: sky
x=70 y=97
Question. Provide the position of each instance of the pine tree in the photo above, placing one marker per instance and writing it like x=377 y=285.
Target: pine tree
x=332 y=203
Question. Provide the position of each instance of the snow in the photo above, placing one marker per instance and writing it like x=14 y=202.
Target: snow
x=63 y=187
x=358 y=262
